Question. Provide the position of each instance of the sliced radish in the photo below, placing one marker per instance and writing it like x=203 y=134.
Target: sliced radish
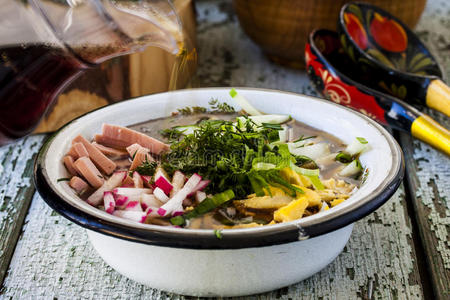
x=137 y=179
x=109 y=202
x=114 y=181
x=162 y=182
x=150 y=201
x=160 y=195
x=133 y=205
x=200 y=187
x=146 y=180
x=121 y=201
x=138 y=216
x=200 y=196
x=178 y=180
x=175 y=205
x=132 y=194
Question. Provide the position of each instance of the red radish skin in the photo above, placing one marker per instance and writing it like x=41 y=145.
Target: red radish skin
x=121 y=200
x=69 y=164
x=109 y=202
x=131 y=136
x=87 y=168
x=100 y=160
x=114 y=181
x=78 y=184
x=108 y=151
x=146 y=179
x=164 y=184
x=133 y=205
x=80 y=150
x=137 y=179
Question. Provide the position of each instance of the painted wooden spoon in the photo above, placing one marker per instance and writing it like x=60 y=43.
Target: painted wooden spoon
x=333 y=75
x=391 y=58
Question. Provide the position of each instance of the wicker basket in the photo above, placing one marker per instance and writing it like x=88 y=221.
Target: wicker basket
x=281 y=27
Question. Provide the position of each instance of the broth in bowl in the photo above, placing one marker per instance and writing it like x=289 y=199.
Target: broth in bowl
x=212 y=168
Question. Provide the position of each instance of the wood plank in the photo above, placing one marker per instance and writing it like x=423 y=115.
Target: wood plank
x=53 y=258
x=428 y=171
x=16 y=191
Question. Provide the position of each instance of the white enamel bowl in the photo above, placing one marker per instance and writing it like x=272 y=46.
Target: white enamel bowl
x=244 y=261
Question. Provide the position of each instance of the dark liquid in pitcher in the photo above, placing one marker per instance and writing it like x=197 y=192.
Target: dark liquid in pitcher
x=31 y=77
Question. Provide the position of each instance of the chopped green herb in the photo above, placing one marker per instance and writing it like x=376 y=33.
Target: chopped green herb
x=147 y=168
x=62 y=179
x=362 y=140
x=218 y=233
x=192 y=110
x=302 y=138
x=172 y=134
x=218 y=107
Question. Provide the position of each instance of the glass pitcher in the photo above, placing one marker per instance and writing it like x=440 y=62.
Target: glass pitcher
x=46 y=44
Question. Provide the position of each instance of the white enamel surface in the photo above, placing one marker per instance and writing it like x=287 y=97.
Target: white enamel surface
x=323 y=115
x=220 y=272
x=237 y=271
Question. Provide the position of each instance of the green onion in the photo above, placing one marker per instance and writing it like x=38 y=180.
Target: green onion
x=205 y=206
x=62 y=179
x=362 y=140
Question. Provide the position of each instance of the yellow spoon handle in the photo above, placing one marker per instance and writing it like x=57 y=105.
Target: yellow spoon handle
x=431 y=132
x=438 y=96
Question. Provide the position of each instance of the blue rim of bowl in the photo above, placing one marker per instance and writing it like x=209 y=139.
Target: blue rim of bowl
x=233 y=238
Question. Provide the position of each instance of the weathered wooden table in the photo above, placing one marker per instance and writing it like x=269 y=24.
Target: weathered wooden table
x=401 y=251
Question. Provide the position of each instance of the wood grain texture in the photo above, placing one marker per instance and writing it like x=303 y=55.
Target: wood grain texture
x=16 y=191
x=54 y=259
x=428 y=171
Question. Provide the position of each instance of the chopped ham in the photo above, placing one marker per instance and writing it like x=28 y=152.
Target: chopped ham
x=87 y=168
x=72 y=152
x=109 y=151
x=101 y=161
x=141 y=156
x=128 y=136
x=110 y=142
x=137 y=179
x=132 y=149
x=114 y=181
x=80 y=150
x=78 y=184
x=122 y=164
x=68 y=162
